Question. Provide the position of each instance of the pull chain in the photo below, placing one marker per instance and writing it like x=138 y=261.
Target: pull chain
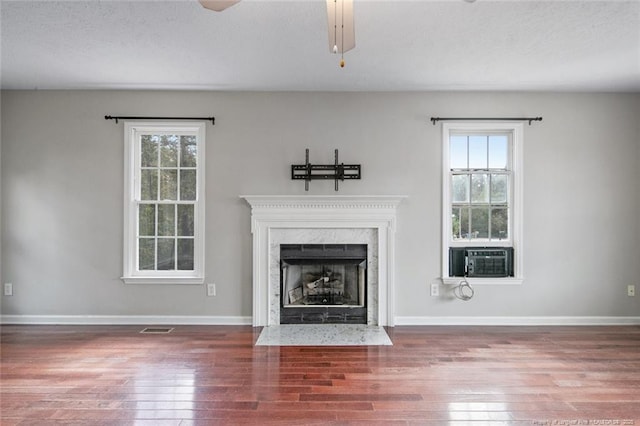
x=342 y=38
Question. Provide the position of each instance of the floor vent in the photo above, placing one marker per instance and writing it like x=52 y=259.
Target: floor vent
x=157 y=330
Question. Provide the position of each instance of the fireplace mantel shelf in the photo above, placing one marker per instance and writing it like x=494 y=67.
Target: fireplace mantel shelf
x=324 y=201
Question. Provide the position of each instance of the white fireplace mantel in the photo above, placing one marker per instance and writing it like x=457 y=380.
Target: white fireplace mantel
x=271 y=213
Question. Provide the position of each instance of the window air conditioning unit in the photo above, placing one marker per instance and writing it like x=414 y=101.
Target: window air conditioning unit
x=481 y=262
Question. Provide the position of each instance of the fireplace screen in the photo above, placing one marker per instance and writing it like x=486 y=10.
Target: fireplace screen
x=323 y=282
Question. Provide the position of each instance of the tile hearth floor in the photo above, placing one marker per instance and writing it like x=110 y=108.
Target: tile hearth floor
x=323 y=335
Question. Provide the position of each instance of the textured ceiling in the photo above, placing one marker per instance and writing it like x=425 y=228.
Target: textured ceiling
x=282 y=45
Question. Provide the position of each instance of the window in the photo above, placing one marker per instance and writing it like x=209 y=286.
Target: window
x=164 y=203
x=482 y=191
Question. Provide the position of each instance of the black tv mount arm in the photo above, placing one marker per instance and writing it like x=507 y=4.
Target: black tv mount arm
x=336 y=171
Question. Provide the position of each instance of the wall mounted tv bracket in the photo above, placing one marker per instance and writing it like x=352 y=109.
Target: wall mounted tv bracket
x=336 y=171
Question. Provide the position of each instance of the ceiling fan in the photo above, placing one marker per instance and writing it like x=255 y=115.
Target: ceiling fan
x=218 y=5
x=340 y=27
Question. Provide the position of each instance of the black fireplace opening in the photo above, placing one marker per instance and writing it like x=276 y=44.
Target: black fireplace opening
x=323 y=283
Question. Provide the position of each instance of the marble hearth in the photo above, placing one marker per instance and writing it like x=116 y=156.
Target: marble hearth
x=337 y=219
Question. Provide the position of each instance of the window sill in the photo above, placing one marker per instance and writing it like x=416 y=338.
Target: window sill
x=483 y=281
x=163 y=280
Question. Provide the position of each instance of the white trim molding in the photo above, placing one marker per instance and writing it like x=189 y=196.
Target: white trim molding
x=518 y=321
x=244 y=320
x=272 y=212
x=482 y=281
x=123 y=320
x=283 y=203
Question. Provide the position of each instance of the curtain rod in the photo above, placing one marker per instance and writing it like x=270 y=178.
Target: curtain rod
x=434 y=120
x=116 y=118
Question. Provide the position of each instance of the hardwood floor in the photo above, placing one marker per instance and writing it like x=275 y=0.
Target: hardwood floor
x=206 y=375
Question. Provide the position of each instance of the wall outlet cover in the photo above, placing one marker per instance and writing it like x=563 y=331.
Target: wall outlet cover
x=8 y=289
x=211 y=289
x=435 y=289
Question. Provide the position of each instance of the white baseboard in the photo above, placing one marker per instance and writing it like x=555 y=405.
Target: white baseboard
x=238 y=320
x=123 y=320
x=522 y=321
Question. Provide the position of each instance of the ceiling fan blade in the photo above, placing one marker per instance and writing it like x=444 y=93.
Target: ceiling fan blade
x=217 y=5
x=342 y=36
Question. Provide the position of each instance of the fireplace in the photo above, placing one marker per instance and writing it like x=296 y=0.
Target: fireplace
x=367 y=221
x=328 y=238
x=323 y=283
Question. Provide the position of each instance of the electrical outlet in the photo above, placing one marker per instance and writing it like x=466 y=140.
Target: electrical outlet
x=631 y=290
x=8 y=289
x=435 y=289
x=211 y=289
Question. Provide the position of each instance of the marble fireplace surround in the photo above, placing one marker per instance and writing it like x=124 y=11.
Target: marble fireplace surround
x=330 y=219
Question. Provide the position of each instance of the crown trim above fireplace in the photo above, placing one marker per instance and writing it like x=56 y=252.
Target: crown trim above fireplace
x=324 y=202
x=328 y=219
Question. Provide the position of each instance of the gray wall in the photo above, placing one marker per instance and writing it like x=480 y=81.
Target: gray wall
x=62 y=195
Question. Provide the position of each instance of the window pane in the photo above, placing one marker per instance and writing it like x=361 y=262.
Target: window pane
x=480 y=188
x=499 y=224
x=166 y=254
x=480 y=222
x=455 y=223
x=498 y=151
x=187 y=184
x=168 y=184
x=458 y=152
x=460 y=222
x=188 y=151
x=477 y=152
x=185 y=254
x=149 y=151
x=185 y=220
x=146 y=254
x=147 y=220
x=498 y=189
x=169 y=151
x=149 y=185
x=166 y=220
x=460 y=188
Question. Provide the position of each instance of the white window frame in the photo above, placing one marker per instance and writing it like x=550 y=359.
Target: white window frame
x=515 y=207
x=131 y=274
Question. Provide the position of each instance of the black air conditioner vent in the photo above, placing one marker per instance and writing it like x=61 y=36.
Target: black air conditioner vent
x=481 y=262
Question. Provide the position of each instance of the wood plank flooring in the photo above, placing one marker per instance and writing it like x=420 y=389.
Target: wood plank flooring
x=214 y=375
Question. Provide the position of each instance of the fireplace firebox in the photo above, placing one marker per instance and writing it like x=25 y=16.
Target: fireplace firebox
x=323 y=283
